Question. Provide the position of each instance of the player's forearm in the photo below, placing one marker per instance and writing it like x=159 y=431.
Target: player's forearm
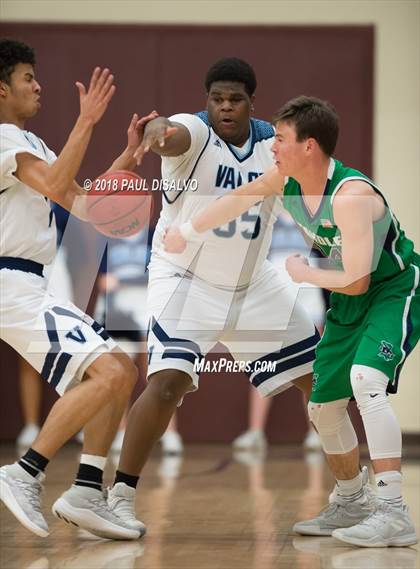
x=125 y=161
x=62 y=173
x=336 y=281
x=237 y=202
x=222 y=211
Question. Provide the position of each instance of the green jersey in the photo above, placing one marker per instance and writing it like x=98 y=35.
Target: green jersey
x=379 y=328
x=393 y=251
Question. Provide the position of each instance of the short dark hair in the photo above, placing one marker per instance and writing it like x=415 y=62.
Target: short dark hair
x=13 y=52
x=312 y=118
x=232 y=69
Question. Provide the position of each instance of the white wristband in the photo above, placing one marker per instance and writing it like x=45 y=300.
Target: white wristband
x=189 y=233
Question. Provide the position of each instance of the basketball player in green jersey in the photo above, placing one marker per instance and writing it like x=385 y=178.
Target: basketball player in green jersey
x=374 y=320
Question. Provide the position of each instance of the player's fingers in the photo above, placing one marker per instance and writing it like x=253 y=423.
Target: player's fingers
x=144 y=120
x=104 y=89
x=94 y=77
x=81 y=88
x=109 y=95
x=101 y=80
x=133 y=122
x=139 y=153
x=170 y=131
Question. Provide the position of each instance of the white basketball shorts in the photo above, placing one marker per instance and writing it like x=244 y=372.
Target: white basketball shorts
x=268 y=333
x=52 y=334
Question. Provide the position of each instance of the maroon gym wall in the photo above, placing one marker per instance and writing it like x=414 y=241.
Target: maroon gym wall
x=163 y=67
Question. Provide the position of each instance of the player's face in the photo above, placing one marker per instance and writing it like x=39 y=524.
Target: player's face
x=23 y=93
x=289 y=154
x=229 y=109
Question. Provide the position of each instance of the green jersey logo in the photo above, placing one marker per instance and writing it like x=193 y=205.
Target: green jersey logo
x=386 y=351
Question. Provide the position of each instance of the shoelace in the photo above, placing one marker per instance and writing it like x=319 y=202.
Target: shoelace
x=379 y=516
x=124 y=508
x=101 y=507
x=32 y=493
x=331 y=509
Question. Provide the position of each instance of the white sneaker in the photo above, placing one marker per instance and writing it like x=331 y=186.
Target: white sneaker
x=172 y=443
x=21 y=493
x=339 y=514
x=387 y=526
x=312 y=440
x=87 y=508
x=27 y=435
x=251 y=439
x=121 y=501
x=117 y=443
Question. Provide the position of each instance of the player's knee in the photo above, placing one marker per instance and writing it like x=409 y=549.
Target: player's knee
x=115 y=373
x=170 y=385
x=369 y=388
x=334 y=426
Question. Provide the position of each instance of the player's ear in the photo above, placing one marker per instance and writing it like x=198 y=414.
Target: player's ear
x=4 y=89
x=252 y=102
x=310 y=144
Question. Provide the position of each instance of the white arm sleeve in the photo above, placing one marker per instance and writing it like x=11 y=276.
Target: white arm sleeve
x=199 y=132
x=15 y=141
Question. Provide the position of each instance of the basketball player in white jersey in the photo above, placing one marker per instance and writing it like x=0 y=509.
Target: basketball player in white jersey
x=227 y=291
x=69 y=349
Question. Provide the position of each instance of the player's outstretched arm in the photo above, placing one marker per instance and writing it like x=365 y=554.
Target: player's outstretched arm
x=56 y=181
x=223 y=210
x=165 y=138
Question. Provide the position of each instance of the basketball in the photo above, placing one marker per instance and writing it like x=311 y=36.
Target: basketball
x=119 y=204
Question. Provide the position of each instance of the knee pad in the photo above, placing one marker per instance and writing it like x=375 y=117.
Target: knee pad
x=369 y=388
x=334 y=426
x=382 y=429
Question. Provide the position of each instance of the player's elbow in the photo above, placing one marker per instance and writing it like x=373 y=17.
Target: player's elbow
x=358 y=287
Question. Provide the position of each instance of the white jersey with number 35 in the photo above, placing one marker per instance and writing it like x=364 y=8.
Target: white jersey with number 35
x=210 y=168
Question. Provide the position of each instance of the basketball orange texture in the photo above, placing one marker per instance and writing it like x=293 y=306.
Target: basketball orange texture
x=119 y=204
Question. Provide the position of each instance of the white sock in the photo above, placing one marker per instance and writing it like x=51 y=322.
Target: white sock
x=351 y=490
x=93 y=460
x=389 y=485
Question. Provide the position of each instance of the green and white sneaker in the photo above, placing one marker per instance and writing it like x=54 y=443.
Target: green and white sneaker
x=387 y=526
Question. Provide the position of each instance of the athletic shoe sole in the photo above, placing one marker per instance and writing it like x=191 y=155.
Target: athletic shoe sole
x=89 y=521
x=313 y=530
x=405 y=541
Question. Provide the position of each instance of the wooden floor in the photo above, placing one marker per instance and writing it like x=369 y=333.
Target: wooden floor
x=208 y=510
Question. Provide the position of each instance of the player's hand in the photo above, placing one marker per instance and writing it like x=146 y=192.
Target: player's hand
x=94 y=101
x=154 y=133
x=296 y=266
x=135 y=131
x=173 y=242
